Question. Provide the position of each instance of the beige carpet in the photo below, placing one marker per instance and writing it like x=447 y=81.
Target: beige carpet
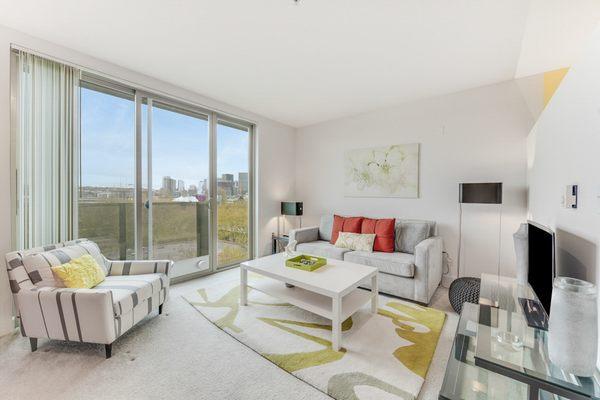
x=174 y=356
x=383 y=356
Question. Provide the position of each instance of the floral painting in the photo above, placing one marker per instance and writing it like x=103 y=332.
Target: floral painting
x=390 y=171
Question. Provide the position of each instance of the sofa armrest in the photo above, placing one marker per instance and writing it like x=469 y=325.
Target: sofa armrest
x=428 y=267
x=80 y=315
x=304 y=235
x=139 y=267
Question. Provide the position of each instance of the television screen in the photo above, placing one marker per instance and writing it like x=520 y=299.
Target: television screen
x=541 y=262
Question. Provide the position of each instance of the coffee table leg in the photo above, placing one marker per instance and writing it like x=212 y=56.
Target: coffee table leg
x=336 y=324
x=374 y=294
x=243 y=286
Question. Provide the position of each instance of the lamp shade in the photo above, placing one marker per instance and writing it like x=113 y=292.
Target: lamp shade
x=291 y=208
x=481 y=193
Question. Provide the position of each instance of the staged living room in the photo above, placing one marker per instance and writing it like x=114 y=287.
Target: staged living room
x=300 y=200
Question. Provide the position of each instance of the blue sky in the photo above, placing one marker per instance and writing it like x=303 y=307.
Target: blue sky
x=179 y=144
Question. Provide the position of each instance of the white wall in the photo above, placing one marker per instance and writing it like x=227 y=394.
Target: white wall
x=275 y=153
x=563 y=150
x=475 y=135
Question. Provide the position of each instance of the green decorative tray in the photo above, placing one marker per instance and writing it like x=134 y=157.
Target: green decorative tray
x=311 y=263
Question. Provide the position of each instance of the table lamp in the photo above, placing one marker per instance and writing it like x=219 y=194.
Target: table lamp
x=294 y=208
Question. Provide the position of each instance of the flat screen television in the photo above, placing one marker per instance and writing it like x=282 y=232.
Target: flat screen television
x=542 y=266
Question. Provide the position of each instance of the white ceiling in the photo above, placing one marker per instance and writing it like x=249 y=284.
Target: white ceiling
x=321 y=59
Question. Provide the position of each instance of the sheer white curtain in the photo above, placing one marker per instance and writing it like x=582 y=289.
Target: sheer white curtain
x=45 y=150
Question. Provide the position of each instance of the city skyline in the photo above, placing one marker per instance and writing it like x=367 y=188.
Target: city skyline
x=173 y=189
x=227 y=181
x=172 y=186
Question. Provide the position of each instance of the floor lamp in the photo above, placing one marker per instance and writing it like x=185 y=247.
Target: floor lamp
x=467 y=289
x=479 y=193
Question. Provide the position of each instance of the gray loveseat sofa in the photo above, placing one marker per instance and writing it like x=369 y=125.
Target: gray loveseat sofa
x=413 y=271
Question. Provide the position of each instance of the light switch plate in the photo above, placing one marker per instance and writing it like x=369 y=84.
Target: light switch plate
x=571 y=196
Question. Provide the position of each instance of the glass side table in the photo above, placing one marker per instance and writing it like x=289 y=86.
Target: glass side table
x=466 y=381
x=526 y=359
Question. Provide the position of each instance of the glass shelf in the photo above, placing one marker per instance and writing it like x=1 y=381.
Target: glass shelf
x=526 y=361
x=464 y=380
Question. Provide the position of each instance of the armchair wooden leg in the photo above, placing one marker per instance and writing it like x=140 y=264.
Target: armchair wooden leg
x=108 y=350
x=33 y=343
x=160 y=309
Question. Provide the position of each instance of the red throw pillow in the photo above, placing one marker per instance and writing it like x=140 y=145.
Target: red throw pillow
x=345 y=224
x=384 y=230
x=338 y=225
x=353 y=224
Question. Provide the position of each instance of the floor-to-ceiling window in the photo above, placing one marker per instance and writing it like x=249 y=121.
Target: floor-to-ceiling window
x=107 y=173
x=162 y=179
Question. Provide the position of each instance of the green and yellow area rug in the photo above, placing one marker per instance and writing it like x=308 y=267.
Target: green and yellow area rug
x=383 y=356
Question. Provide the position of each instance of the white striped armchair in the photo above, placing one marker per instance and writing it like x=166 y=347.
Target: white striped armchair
x=46 y=309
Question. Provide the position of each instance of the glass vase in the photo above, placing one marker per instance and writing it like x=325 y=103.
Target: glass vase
x=573 y=326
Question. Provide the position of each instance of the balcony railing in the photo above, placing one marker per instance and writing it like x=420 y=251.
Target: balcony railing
x=179 y=230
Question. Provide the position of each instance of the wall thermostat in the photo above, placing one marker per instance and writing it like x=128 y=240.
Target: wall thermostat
x=571 y=196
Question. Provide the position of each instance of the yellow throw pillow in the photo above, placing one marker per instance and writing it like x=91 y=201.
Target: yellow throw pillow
x=81 y=272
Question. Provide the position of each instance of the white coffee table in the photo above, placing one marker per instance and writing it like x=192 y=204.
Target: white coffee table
x=331 y=291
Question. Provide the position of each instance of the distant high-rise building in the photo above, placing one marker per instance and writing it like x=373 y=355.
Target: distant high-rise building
x=180 y=185
x=169 y=185
x=227 y=177
x=225 y=186
x=192 y=190
x=243 y=182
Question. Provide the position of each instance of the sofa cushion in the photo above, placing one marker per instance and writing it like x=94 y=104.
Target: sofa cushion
x=130 y=290
x=398 y=264
x=410 y=234
x=322 y=248
x=345 y=224
x=384 y=230
x=38 y=265
x=325 y=227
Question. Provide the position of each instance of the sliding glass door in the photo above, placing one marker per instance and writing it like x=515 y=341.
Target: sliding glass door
x=161 y=179
x=176 y=218
x=233 y=195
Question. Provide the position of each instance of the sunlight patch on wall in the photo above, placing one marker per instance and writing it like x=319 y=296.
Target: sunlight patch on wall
x=552 y=80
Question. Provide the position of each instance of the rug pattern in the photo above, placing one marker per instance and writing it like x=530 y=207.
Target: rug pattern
x=383 y=356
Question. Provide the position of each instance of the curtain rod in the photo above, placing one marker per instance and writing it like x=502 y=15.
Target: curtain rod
x=133 y=85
